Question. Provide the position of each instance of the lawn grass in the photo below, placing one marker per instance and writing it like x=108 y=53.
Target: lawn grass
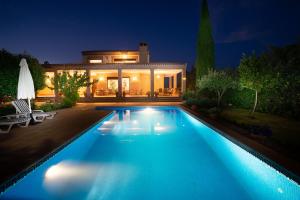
x=284 y=131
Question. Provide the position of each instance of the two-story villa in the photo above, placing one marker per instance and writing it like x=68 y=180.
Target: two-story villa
x=122 y=73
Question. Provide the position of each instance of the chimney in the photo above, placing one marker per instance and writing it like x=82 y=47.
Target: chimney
x=144 y=53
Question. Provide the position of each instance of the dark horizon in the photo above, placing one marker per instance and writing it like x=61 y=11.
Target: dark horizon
x=57 y=31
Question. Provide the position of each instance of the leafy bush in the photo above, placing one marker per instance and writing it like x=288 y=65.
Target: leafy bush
x=53 y=106
x=239 y=98
x=201 y=103
x=68 y=85
x=275 y=75
x=217 y=82
x=68 y=103
x=189 y=94
x=48 y=107
x=7 y=110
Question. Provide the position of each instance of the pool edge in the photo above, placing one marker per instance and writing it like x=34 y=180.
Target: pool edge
x=287 y=173
x=19 y=176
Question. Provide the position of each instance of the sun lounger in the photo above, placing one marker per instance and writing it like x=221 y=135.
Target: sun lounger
x=9 y=120
x=37 y=115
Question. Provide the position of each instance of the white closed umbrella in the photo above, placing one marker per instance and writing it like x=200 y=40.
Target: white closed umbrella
x=25 y=84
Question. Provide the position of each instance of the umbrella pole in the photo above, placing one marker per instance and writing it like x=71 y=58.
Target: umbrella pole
x=29 y=104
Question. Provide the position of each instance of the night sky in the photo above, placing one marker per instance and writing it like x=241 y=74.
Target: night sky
x=57 y=31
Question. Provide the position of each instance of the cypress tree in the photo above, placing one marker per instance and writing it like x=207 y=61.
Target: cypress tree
x=205 y=55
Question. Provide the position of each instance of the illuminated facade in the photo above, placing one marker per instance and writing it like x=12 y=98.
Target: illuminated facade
x=119 y=74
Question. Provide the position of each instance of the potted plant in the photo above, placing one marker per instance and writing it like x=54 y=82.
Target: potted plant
x=156 y=94
x=117 y=93
x=124 y=94
x=148 y=94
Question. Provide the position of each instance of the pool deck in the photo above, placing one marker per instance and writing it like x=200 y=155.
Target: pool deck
x=24 y=146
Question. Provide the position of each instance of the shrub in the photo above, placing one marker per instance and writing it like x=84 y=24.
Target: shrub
x=68 y=85
x=7 y=110
x=217 y=82
x=242 y=98
x=47 y=107
x=68 y=103
x=201 y=103
x=54 y=106
x=189 y=94
x=275 y=76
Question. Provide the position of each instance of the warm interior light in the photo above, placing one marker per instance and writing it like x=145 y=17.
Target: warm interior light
x=93 y=73
x=101 y=78
x=95 y=61
x=48 y=81
x=134 y=78
x=124 y=56
x=158 y=76
x=184 y=78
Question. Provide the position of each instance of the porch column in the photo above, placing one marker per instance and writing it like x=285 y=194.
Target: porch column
x=175 y=81
x=170 y=82
x=183 y=79
x=152 y=82
x=88 y=88
x=119 y=82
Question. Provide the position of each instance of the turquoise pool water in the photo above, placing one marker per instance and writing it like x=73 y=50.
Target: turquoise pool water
x=153 y=153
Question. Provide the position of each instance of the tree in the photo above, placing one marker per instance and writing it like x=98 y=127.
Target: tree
x=274 y=76
x=68 y=85
x=282 y=93
x=205 y=56
x=252 y=75
x=9 y=73
x=191 y=79
x=218 y=82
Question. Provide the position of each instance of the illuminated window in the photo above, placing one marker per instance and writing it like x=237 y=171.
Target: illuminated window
x=124 y=60
x=95 y=61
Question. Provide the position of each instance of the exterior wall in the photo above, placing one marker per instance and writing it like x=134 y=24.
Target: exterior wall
x=158 y=82
x=144 y=53
x=126 y=56
x=111 y=57
x=144 y=80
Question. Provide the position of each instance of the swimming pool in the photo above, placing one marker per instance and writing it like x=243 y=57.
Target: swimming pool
x=153 y=153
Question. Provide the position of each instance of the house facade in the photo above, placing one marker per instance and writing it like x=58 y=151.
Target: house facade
x=122 y=74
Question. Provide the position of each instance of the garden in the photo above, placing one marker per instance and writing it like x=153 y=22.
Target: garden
x=260 y=96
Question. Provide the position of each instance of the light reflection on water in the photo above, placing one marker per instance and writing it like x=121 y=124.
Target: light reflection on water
x=137 y=123
x=153 y=154
x=68 y=178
